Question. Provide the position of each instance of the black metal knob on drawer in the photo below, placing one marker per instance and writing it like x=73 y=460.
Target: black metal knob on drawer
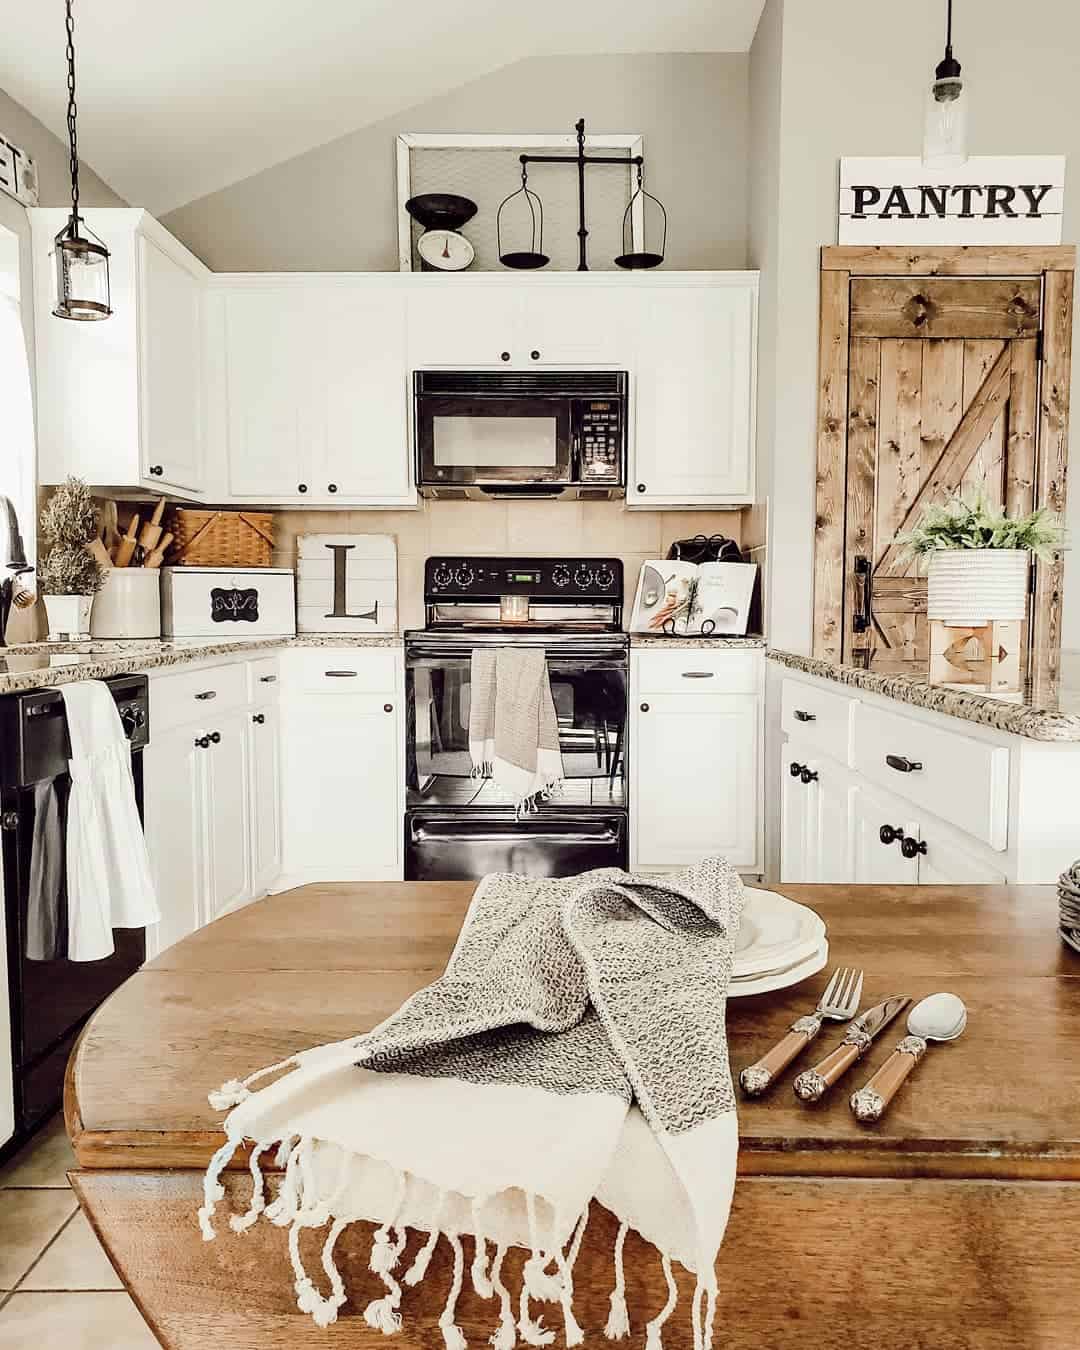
x=889 y=834
x=203 y=742
x=215 y=737
x=911 y=848
x=157 y=470
x=504 y=356
x=301 y=487
x=535 y=356
x=801 y=716
x=902 y=764
x=331 y=487
x=388 y=707
x=644 y=707
x=808 y=775
x=795 y=769
x=260 y=718
x=641 y=487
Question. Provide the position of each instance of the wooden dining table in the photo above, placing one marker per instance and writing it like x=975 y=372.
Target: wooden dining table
x=951 y=1224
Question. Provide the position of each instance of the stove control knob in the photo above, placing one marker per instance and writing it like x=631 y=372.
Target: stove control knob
x=583 y=577
x=605 y=577
x=464 y=576
x=560 y=575
x=442 y=576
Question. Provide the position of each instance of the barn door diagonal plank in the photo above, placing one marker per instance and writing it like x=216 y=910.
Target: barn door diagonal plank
x=982 y=412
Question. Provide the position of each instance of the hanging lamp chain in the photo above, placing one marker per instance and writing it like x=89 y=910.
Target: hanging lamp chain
x=72 y=113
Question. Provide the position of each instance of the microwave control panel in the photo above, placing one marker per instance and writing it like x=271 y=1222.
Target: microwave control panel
x=600 y=440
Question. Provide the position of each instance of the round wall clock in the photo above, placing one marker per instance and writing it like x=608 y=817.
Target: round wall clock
x=446 y=250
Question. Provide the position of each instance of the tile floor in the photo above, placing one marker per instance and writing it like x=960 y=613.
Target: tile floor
x=56 y=1284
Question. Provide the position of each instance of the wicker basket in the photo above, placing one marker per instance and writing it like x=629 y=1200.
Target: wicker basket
x=221 y=538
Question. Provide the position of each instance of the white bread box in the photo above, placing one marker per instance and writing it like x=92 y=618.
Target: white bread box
x=228 y=602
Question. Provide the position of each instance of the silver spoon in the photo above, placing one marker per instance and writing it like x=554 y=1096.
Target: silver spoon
x=940 y=1017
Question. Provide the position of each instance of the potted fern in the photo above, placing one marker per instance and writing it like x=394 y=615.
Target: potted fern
x=70 y=577
x=977 y=559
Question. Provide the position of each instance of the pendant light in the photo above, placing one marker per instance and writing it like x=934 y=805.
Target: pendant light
x=82 y=260
x=945 y=133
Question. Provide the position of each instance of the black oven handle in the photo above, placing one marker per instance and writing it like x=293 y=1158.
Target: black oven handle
x=437 y=654
x=499 y=832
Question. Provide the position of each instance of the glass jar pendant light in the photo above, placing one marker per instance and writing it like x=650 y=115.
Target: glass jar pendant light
x=945 y=133
x=82 y=260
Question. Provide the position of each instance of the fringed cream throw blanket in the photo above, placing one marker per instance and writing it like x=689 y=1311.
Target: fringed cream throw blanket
x=513 y=729
x=574 y=1050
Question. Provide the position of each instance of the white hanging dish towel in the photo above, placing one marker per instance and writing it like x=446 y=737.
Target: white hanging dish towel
x=513 y=729
x=108 y=870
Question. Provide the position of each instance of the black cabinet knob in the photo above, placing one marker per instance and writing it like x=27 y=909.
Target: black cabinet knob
x=301 y=487
x=801 y=716
x=535 y=356
x=808 y=775
x=795 y=769
x=260 y=718
x=644 y=707
x=889 y=834
x=911 y=848
x=641 y=487
x=504 y=356
x=331 y=487
x=157 y=470
x=203 y=742
x=902 y=764
x=215 y=737
x=388 y=707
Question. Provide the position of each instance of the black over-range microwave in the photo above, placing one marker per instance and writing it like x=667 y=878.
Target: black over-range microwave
x=521 y=434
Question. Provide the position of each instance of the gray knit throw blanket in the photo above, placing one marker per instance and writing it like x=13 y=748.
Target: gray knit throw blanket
x=574 y=1050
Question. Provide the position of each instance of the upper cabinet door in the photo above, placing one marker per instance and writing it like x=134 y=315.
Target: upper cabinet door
x=582 y=325
x=455 y=323
x=361 y=396
x=268 y=379
x=170 y=370
x=694 y=394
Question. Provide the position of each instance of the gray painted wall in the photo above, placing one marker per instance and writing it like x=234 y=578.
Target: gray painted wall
x=852 y=82
x=335 y=208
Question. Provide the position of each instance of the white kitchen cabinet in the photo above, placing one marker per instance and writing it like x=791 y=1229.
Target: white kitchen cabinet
x=175 y=819
x=815 y=817
x=312 y=407
x=342 y=770
x=264 y=776
x=694 y=392
x=227 y=814
x=947 y=864
x=876 y=862
x=120 y=402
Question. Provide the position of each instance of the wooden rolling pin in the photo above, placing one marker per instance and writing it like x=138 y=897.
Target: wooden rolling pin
x=126 y=547
x=154 y=557
x=98 y=551
x=150 y=533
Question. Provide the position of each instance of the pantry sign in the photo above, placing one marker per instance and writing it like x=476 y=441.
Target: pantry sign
x=989 y=199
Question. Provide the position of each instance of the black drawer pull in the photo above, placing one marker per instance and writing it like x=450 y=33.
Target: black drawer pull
x=388 y=707
x=795 y=769
x=644 y=707
x=809 y=775
x=267 y=679
x=505 y=356
x=889 y=834
x=157 y=470
x=207 y=694
x=258 y=718
x=203 y=742
x=902 y=764
x=340 y=674
x=911 y=848
x=801 y=716
x=215 y=737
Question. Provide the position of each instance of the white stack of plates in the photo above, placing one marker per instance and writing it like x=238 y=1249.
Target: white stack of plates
x=779 y=944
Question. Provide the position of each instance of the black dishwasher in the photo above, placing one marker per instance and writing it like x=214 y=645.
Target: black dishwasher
x=51 y=997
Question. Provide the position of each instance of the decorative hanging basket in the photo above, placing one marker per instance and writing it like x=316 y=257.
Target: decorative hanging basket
x=222 y=538
x=977 y=585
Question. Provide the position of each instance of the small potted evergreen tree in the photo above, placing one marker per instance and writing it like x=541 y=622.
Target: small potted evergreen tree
x=70 y=577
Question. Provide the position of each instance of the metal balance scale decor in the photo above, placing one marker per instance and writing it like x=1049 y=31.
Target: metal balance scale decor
x=534 y=256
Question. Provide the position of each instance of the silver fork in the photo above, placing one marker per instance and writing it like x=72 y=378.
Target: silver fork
x=839 y=1003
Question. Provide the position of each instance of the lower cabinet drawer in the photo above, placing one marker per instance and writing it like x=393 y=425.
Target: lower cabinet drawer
x=264 y=679
x=817 y=717
x=691 y=670
x=341 y=670
x=963 y=780
x=190 y=695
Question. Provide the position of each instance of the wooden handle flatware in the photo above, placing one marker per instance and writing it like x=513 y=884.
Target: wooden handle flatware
x=756 y=1078
x=870 y=1102
x=812 y=1084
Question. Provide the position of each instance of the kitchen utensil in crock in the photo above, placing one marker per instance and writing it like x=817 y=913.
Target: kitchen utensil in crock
x=839 y=1003
x=941 y=1017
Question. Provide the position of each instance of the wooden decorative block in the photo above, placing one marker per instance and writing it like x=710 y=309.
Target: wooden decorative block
x=346 y=583
x=978 y=657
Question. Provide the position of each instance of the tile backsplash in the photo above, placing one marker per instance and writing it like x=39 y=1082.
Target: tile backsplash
x=586 y=528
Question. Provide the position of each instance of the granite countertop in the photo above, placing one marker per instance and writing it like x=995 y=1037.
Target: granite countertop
x=1039 y=714
x=697 y=643
x=44 y=665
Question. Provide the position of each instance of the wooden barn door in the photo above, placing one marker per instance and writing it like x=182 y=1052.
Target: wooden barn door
x=938 y=382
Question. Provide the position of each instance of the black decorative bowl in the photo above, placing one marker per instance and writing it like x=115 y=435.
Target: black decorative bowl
x=440 y=210
x=524 y=262
x=635 y=262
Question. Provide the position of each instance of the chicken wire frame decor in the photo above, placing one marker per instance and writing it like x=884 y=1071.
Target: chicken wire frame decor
x=412 y=142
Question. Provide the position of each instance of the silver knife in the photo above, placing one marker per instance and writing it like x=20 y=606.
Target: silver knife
x=812 y=1084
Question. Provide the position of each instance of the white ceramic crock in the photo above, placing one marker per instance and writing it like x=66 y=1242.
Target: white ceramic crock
x=129 y=604
x=68 y=616
x=977 y=585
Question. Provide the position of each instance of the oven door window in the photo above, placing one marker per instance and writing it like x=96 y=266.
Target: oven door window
x=471 y=440
x=590 y=705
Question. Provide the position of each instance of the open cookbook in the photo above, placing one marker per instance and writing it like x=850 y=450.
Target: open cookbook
x=681 y=598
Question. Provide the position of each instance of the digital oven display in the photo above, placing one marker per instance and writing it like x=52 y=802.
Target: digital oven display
x=524 y=578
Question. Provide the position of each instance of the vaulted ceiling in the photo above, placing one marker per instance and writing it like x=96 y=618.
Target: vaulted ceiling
x=177 y=100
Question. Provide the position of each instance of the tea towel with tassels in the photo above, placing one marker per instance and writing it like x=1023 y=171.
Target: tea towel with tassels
x=513 y=728
x=574 y=1050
